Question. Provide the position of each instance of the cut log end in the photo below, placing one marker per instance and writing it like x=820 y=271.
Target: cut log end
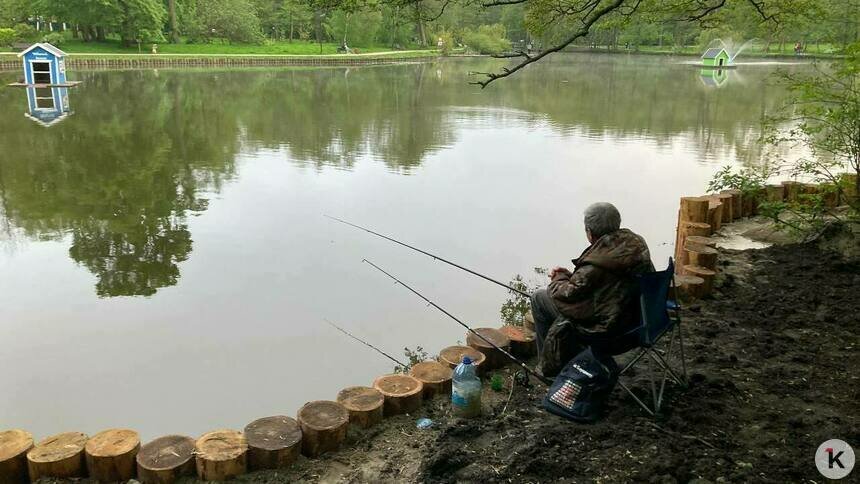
x=701 y=255
x=707 y=275
x=111 y=455
x=403 y=393
x=324 y=425
x=165 y=460
x=364 y=405
x=60 y=456
x=453 y=356
x=273 y=442
x=689 y=287
x=221 y=455
x=14 y=445
x=522 y=340
x=494 y=358
x=435 y=377
x=706 y=241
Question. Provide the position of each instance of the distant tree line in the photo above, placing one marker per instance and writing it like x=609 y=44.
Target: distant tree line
x=489 y=26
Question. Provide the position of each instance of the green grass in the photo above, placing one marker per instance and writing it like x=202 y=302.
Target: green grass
x=298 y=47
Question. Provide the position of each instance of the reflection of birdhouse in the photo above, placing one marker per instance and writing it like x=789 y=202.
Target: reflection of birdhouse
x=44 y=65
x=713 y=77
x=48 y=105
x=715 y=57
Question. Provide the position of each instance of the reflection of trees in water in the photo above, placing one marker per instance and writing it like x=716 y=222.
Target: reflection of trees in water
x=121 y=176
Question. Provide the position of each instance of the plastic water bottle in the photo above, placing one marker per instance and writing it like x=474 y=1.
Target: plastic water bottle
x=466 y=390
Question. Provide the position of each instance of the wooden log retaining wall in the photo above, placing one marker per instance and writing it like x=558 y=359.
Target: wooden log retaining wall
x=161 y=62
x=700 y=217
x=267 y=443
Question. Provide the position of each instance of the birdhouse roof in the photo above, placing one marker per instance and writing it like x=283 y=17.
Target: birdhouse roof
x=45 y=46
x=713 y=52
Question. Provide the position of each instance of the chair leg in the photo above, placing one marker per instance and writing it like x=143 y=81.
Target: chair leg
x=640 y=402
x=681 y=348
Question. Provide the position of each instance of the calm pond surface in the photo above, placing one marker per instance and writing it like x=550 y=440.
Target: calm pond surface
x=164 y=261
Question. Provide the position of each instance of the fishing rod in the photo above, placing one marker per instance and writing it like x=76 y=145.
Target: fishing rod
x=479 y=335
x=436 y=257
x=365 y=343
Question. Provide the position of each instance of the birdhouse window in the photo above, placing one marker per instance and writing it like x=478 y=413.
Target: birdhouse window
x=44 y=98
x=41 y=72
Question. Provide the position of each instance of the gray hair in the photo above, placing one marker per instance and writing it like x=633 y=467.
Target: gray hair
x=602 y=218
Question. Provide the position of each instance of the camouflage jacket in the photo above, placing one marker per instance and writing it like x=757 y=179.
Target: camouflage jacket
x=600 y=295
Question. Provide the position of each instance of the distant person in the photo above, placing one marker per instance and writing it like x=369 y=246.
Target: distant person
x=598 y=300
x=798 y=48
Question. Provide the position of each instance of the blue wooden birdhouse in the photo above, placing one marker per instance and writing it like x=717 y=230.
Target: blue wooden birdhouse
x=44 y=65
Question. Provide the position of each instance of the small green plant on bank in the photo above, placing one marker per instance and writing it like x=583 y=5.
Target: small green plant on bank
x=748 y=180
x=514 y=309
x=413 y=357
x=7 y=36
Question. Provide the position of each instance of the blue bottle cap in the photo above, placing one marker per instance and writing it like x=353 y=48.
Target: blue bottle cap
x=467 y=360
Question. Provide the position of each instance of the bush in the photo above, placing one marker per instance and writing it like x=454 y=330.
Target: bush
x=488 y=39
x=7 y=36
x=24 y=32
x=446 y=39
x=54 y=38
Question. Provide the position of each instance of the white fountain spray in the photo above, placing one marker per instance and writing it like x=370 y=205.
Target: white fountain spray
x=730 y=47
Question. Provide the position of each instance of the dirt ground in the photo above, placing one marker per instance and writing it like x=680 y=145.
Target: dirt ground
x=772 y=361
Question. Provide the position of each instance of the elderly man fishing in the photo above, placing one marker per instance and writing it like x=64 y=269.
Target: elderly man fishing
x=597 y=302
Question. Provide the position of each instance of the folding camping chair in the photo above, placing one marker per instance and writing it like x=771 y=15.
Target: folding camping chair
x=659 y=317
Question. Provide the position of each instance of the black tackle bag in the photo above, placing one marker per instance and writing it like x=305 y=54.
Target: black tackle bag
x=580 y=391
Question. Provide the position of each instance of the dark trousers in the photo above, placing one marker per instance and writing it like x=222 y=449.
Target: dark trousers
x=545 y=314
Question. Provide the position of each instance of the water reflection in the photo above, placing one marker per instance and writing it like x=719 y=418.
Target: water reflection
x=147 y=149
x=48 y=105
x=714 y=77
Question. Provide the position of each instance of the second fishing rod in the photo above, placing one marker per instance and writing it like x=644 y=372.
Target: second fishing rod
x=513 y=358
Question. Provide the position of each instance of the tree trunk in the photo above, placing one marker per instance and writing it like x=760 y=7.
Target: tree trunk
x=495 y=358
x=100 y=34
x=434 y=376
x=14 y=445
x=273 y=442
x=291 y=27
x=166 y=460
x=419 y=23
x=111 y=455
x=324 y=425
x=221 y=455
x=60 y=456
x=318 y=27
x=403 y=393
x=174 y=30
x=364 y=405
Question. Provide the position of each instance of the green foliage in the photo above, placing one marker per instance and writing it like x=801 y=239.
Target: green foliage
x=354 y=29
x=141 y=20
x=446 y=39
x=413 y=357
x=54 y=38
x=825 y=112
x=232 y=20
x=747 y=180
x=24 y=32
x=7 y=36
x=487 y=39
x=514 y=309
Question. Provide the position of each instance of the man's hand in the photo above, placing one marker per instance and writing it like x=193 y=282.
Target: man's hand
x=557 y=270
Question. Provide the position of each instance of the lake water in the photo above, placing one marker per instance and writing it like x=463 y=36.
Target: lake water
x=164 y=260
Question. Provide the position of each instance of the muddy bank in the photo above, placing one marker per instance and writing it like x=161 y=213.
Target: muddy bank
x=771 y=360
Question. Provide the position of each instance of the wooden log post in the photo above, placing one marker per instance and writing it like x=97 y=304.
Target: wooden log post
x=692 y=210
x=495 y=358
x=364 y=405
x=707 y=276
x=166 y=460
x=689 y=287
x=111 y=455
x=748 y=204
x=14 y=445
x=221 y=455
x=60 y=456
x=701 y=255
x=685 y=230
x=792 y=190
x=324 y=425
x=737 y=203
x=522 y=340
x=774 y=193
x=698 y=239
x=715 y=215
x=403 y=393
x=453 y=356
x=726 y=200
x=435 y=377
x=273 y=442
x=529 y=321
